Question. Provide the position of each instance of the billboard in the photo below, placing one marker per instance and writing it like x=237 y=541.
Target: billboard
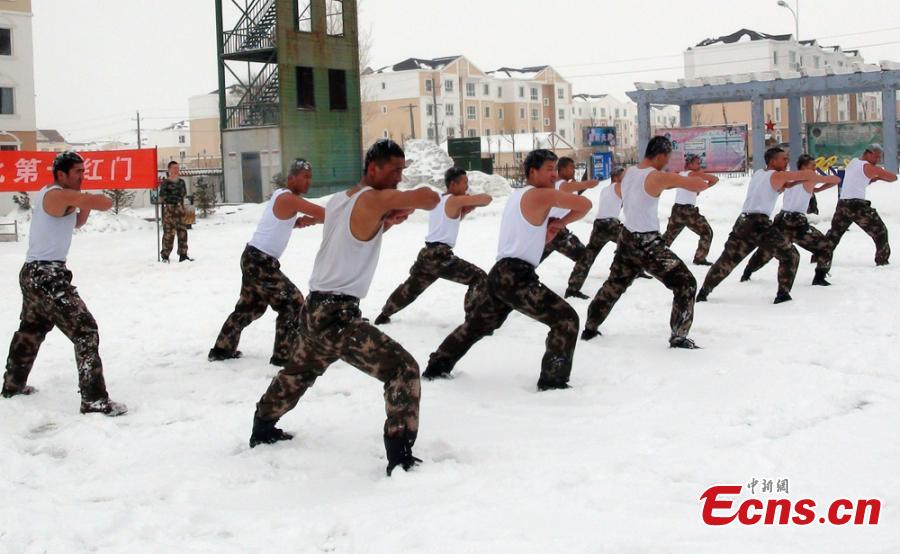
x=601 y=165
x=600 y=136
x=721 y=148
x=22 y=171
x=844 y=141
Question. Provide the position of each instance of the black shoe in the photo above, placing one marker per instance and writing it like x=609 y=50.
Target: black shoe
x=644 y=275
x=703 y=295
x=265 y=432
x=882 y=264
x=184 y=257
x=702 y=262
x=382 y=320
x=218 y=355
x=164 y=259
x=439 y=369
x=576 y=294
x=819 y=279
x=589 y=334
x=782 y=297
x=549 y=384
x=25 y=390
x=746 y=276
x=278 y=362
x=399 y=452
x=105 y=407
x=683 y=342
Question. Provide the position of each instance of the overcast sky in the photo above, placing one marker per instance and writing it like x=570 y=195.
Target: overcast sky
x=98 y=61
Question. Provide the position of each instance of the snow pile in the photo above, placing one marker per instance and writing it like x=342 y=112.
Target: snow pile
x=108 y=222
x=494 y=185
x=427 y=163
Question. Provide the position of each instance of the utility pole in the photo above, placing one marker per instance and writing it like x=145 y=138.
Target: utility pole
x=434 y=110
x=412 y=120
x=139 y=129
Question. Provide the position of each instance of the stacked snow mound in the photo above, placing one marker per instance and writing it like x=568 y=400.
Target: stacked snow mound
x=427 y=163
x=108 y=222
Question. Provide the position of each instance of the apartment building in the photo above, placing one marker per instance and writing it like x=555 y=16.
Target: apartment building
x=18 y=130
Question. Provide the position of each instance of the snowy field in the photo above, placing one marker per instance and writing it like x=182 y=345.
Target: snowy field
x=808 y=391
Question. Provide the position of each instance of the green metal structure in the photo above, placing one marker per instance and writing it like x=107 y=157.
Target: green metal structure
x=296 y=65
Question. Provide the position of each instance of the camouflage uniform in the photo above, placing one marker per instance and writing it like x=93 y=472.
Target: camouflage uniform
x=646 y=252
x=863 y=214
x=263 y=285
x=171 y=196
x=567 y=244
x=683 y=216
x=49 y=300
x=796 y=229
x=755 y=231
x=332 y=328
x=512 y=284
x=605 y=230
x=435 y=261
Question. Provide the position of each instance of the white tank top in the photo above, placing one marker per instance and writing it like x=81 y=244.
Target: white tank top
x=272 y=234
x=519 y=238
x=685 y=196
x=641 y=209
x=855 y=181
x=440 y=227
x=761 y=197
x=610 y=203
x=796 y=199
x=344 y=264
x=50 y=237
x=559 y=213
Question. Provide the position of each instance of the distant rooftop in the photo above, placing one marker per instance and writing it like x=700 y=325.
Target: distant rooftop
x=413 y=64
x=751 y=35
x=517 y=73
x=52 y=135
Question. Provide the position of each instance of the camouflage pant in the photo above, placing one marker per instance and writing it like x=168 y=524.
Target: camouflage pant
x=567 y=244
x=796 y=229
x=173 y=215
x=863 y=214
x=513 y=285
x=263 y=285
x=436 y=261
x=690 y=217
x=755 y=231
x=332 y=328
x=646 y=252
x=605 y=230
x=49 y=300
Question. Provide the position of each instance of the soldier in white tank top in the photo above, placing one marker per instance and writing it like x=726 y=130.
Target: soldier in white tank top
x=685 y=214
x=49 y=237
x=566 y=242
x=520 y=239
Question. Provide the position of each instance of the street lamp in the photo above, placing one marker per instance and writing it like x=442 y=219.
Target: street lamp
x=796 y=14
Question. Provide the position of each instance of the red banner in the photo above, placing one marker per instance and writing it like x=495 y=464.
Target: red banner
x=115 y=169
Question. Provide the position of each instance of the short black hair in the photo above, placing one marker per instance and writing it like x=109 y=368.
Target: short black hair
x=804 y=159
x=299 y=165
x=690 y=158
x=65 y=161
x=657 y=146
x=536 y=159
x=565 y=161
x=616 y=171
x=772 y=152
x=453 y=174
x=173 y=162
x=382 y=151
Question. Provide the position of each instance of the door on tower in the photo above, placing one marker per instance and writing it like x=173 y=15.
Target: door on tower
x=251 y=173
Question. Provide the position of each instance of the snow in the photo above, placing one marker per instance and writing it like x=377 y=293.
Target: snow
x=427 y=163
x=807 y=390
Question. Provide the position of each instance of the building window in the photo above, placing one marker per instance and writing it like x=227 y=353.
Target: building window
x=5 y=42
x=602 y=112
x=451 y=132
x=546 y=122
x=304 y=16
x=449 y=109
x=522 y=131
x=617 y=112
x=562 y=114
x=775 y=58
x=383 y=109
x=778 y=113
x=306 y=99
x=521 y=113
x=8 y=147
x=842 y=115
x=534 y=93
x=487 y=132
x=579 y=111
x=521 y=92
x=594 y=112
x=448 y=85
x=561 y=93
x=534 y=114
x=431 y=133
x=546 y=101
x=429 y=109
x=471 y=113
x=470 y=89
x=429 y=85
x=385 y=134
x=487 y=112
x=337 y=89
x=816 y=62
x=487 y=90
x=334 y=17
x=181 y=139
x=472 y=133
x=792 y=57
x=383 y=86
x=562 y=133
x=499 y=113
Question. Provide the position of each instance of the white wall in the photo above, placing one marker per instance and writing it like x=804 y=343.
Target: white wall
x=17 y=71
x=264 y=140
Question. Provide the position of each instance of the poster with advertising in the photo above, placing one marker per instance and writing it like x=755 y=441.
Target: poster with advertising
x=601 y=165
x=22 y=171
x=843 y=141
x=722 y=148
x=600 y=136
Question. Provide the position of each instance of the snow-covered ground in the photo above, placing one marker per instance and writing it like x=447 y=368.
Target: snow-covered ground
x=807 y=391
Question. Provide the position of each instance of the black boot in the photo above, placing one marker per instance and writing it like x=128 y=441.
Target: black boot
x=589 y=334
x=184 y=257
x=278 y=362
x=382 y=320
x=576 y=294
x=104 y=406
x=782 y=297
x=437 y=369
x=683 y=342
x=265 y=432
x=399 y=452
x=819 y=279
x=10 y=391
x=164 y=259
x=555 y=370
x=702 y=262
x=218 y=355
x=746 y=275
x=703 y=295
